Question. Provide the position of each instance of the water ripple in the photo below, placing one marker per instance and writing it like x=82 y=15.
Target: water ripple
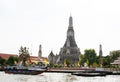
x=55 y=77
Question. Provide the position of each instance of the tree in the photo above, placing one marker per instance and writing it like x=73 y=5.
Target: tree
x=106 y=61
x=10 y=61
x=24 y=55
x=87 y=62
x=90 y=55
x=114 y=55
x=16 y=59
x=110 y=58
x=2 y=61
x=99 y=61
x=82 y=59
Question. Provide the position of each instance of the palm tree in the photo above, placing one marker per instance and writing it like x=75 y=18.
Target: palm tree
x=24 y=55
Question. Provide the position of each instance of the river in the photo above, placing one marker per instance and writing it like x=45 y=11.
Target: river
x=55 y=77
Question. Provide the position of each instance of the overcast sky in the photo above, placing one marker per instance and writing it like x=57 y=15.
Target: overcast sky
x=33 y=22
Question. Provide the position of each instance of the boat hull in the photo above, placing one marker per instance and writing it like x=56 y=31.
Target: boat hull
x=89 y=74
x=24 y=71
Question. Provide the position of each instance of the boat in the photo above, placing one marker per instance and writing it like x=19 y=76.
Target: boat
x=89 y=74
x=25 y=70
x=1 y=68
x=115 y=73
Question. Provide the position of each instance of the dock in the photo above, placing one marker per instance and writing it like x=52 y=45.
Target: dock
x=82 y=70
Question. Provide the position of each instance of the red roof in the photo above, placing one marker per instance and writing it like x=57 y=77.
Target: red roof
x=6 y=56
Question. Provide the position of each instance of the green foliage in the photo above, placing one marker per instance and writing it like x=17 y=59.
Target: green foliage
x=90 y=55
x=87 y=62
x=55 y=65
x=99 y=60
x=11 y=61
x=2 y=61
x=41 y=64
x=82 y=59
x=95 y=65
x=114 y=55
x=24 y=55
x=95 y=61
x=16 y=59
x=68 y=62
x=106 y=61
x=89 y=58
x=110 y=58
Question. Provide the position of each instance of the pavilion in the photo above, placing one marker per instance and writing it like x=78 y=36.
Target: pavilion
x=116 y=62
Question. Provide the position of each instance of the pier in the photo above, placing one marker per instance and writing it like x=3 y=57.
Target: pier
x=107 y=71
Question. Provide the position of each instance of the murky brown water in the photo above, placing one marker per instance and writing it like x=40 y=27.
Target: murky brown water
x=55 y=77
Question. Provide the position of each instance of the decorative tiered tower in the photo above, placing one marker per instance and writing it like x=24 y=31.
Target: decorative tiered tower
x=100 y=51
x=100 y=55
x=40 y=52
x=70 y=51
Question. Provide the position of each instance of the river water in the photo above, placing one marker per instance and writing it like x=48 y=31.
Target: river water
x=55 y=77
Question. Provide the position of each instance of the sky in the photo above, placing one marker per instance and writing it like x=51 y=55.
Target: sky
x=29 y=23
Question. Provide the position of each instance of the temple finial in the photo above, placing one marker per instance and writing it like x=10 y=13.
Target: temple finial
x=70 y=21
x=70 y=14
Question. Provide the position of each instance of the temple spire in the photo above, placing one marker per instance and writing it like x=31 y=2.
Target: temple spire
x=100 y=50
x=101 y=56
x=40 y=51
x=70 y=21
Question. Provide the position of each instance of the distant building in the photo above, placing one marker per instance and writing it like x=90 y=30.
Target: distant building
x=32 y=58
x=36 y=60
x=116 y=55
x=40 y=58
x=51 y=58
x=70 y=51
x=40 y=51
x=100 y=51
x=6 y=56
x=101 y=56
x=116 y=62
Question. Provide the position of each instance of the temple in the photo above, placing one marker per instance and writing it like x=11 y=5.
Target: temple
x=70 y=51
